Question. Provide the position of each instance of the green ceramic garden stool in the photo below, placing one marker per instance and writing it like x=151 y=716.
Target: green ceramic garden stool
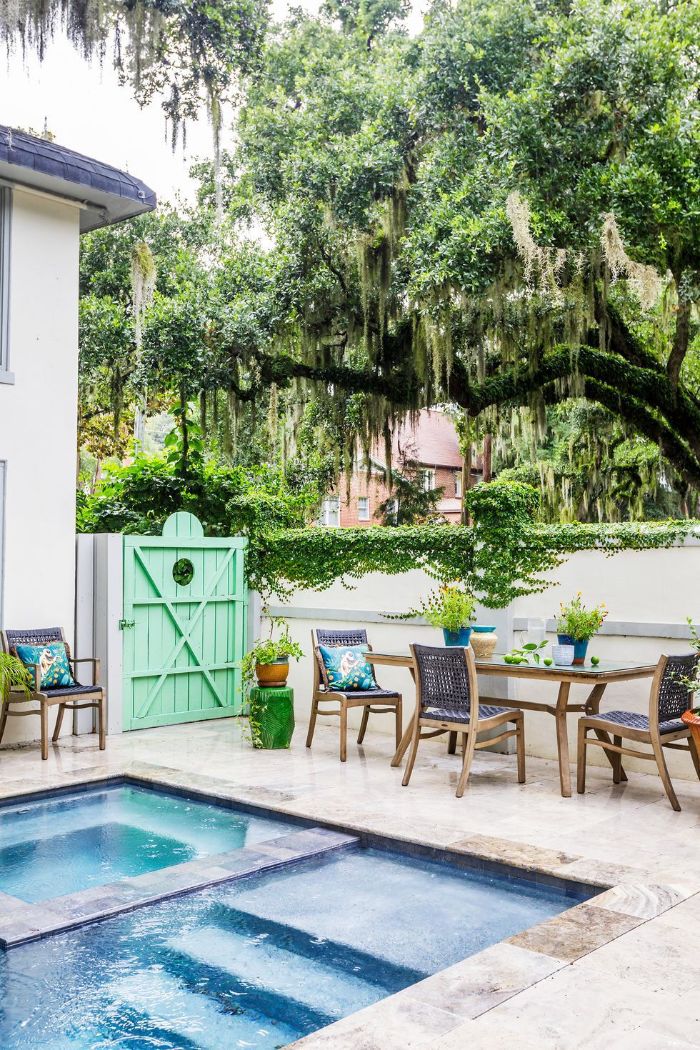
x=272 y=716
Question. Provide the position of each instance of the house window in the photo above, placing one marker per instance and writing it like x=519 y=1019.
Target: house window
x=392 y=510
x=5 y=218
x=458 y=486
x=330 y=512
x=363 y=508
x=428 y=480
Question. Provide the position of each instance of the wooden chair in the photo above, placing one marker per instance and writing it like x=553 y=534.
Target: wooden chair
x=662 y=727
x=75 y=697
x=447 y=701
x=373 y=701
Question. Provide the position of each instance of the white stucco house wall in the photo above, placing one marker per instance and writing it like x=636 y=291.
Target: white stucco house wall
x=48 y=197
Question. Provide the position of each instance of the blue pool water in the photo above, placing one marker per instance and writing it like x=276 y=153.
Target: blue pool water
x=73 y=841
x=259 y=962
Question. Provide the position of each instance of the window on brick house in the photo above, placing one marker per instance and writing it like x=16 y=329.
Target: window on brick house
x=330 y=512
x=428 y=480
x=363 y=508
x=458 y=485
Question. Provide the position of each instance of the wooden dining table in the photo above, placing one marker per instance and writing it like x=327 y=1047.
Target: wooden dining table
x=596 y=678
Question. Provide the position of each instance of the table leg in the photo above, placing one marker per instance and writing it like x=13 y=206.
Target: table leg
x=408 y=733
x=563 y=739
x=592 y=708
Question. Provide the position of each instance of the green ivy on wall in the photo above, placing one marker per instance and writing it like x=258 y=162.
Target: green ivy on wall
x=502 y=556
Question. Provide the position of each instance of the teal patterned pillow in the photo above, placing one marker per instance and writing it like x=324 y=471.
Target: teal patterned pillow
x=53 y=664
x=346 y=667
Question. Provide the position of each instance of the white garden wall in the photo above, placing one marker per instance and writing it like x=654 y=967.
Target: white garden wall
x=649 y=594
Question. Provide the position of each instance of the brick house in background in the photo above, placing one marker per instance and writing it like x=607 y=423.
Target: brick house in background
x=432 y=443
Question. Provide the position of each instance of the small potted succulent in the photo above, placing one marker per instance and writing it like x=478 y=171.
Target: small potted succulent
x=268 y=660
x=451 y=607
x=576 y=625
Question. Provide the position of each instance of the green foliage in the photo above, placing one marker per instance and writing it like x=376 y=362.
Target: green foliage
x=227 y=500
x=451 y=607
x=524 y=653
x=13 y=675
x=578 y=622
x=268 y=651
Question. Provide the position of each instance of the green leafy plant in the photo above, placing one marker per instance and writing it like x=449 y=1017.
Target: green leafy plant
x=269 y=650
x=578 y=622
x=524 y=653
x=13 y=675
x=451 y=607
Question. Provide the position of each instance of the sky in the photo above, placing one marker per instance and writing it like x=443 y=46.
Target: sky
x=87 y=110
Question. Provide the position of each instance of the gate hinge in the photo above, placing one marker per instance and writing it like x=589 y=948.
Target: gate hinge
x=125 y=624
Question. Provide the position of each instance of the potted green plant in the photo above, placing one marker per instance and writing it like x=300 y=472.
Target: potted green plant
x=268 y=660
x=450 y=607
x=691 y=717
x=13 y=675
x=576 y=625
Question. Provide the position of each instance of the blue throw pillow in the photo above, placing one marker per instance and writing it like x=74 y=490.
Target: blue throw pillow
x=53 y=664
x=346 y=667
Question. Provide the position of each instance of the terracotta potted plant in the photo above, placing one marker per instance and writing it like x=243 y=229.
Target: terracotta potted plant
x=268 y=660
x=576 y=625
x=13 y=675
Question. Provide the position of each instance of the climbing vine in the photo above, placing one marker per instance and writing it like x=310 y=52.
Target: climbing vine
x=503 y=555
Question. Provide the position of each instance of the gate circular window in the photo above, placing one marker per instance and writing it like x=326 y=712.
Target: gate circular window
x=183 y=571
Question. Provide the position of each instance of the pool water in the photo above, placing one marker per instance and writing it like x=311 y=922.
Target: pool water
x=262 y=961
x=71 y=842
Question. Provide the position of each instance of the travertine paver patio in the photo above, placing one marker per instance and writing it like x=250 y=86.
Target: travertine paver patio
x=616 y=970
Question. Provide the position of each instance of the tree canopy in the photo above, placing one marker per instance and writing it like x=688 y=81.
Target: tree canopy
x=499 y=213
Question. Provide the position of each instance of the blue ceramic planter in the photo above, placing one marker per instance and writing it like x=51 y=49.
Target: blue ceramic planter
x=460 y=637
x=580 y=648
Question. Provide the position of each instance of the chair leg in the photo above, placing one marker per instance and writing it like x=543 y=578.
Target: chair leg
x=412 y=756
x=520 y=748
x=452 y=743
x=581 y=758
x=363 y=725
x=617 y=761
x=59 y=722
x=312 y=722
x=44 y=713
x=4 y=712
x=663 y=773
x=466 y=763
x=343 y=731
x=101 y=723
x=692 y=747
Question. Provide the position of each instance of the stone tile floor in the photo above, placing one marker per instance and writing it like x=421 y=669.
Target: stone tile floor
x=616 y=970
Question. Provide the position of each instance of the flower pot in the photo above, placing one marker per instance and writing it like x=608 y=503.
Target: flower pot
x=692 y=720
x=483 y=641
x=460 y=637
x=274 y=674
x=580 y=647
x=563 y=655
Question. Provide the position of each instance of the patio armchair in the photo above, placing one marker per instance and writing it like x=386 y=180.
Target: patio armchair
x=75 y=697
x=337 y=703
x=447 y=701
x=661 y=728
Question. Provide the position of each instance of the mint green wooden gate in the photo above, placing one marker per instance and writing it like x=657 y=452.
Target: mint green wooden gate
x=185 y=606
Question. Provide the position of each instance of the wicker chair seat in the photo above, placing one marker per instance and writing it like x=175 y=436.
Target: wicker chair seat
x=461 y=714
x=365 y=694
x=72 y=690
x=633 y=720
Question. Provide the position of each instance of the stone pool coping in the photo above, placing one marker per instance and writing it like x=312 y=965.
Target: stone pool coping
x=427 y=1011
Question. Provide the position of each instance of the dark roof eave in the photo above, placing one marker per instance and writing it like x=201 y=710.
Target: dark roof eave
x=107 y=194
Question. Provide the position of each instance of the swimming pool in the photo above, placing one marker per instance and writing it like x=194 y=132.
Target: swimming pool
x=259 y=962
x=70 y=842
